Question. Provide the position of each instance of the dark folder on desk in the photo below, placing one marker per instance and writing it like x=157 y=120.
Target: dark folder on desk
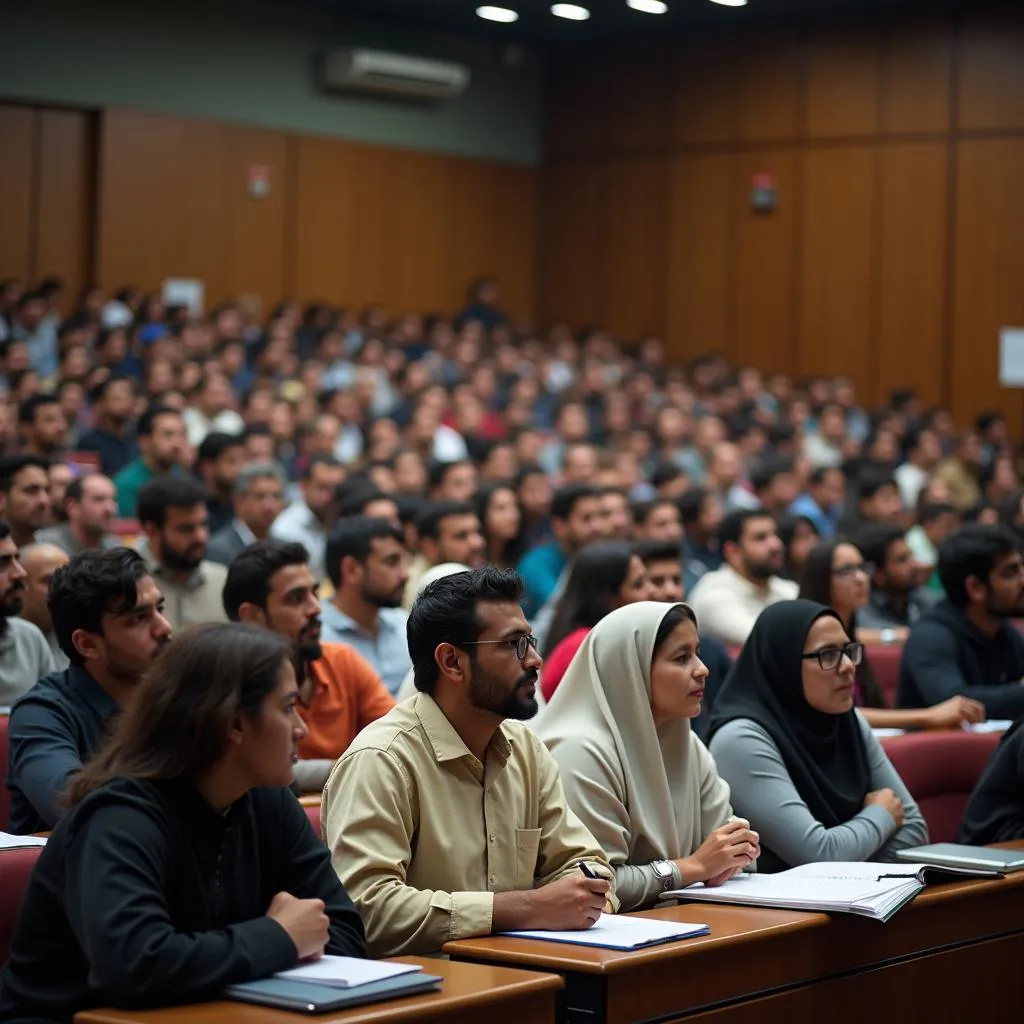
x=305 y=997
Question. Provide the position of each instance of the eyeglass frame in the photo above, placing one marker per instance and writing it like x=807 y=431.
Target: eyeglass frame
x=848 y=649
x=525 y=641
x=846 y=571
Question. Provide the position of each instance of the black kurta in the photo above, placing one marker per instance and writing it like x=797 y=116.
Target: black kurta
x=145 y=896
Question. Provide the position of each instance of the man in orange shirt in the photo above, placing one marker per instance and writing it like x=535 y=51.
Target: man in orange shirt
x=269 y=584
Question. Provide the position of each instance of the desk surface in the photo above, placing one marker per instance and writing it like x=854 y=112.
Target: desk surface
x=481 y=991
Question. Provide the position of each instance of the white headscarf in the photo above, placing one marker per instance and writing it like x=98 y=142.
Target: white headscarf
x=636 y=786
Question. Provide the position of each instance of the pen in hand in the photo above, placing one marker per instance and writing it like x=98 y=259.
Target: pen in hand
x=586 y=869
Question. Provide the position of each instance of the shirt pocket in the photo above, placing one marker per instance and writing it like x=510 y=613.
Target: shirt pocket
x=527 y=848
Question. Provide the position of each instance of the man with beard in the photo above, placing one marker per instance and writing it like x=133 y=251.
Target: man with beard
x=112 y=436
x=173 y=517
x=91 y=506
x=896 y=601
x=270 y=585
x=107 y=614
x=24 y=653
x=728 y=600
x=25 y=495
x=369 y=567
x=968 y=645
x=161 y=438
x=444 y=819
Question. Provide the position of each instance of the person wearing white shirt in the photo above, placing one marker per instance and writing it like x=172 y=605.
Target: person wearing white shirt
x=309 y=517
x=210 y=409
x=924 y=452
x=728 y=600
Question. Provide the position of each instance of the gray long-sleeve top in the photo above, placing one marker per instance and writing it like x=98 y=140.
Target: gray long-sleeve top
x=763 y=792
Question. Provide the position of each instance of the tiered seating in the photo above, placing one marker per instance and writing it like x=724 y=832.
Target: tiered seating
x=885 y=662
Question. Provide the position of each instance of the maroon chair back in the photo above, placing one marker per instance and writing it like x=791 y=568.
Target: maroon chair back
x=15 y=868
x=313 y=813
x=941 y=769
x=5 y=796
x=885 y=663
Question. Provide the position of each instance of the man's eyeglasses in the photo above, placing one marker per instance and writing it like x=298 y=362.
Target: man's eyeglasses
x=521 y=644
x=846 y=571
x=830 y=657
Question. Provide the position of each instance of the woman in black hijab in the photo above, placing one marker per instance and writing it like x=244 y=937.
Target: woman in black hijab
x=804 y=767
x=995 y=812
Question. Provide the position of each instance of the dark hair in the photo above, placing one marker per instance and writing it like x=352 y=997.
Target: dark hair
x=164 y=492
x=972 y=551
x=92 y=584
x=428 y=522
x=597 y=573
x=933 y=510
x=176 y=726
x=5 y=529
x=987 y=420
x=147 y=421
x=437 y=471
x=446 y=612
x=674 y=617
x=658 y=551
x=664 y=473
x=353 y=538
x=319 y=460
x=816 y=585
x=564 y=500
x=252 y=569
x=482 y=502
x=12 y=465
x=975 y=512
x=787 y=527
x=818 y=474
x=691 y=504
x=872 y=480
x=27 y=409
x=354 y=495
x=772 y=467
x=735 y=522
x=216 y=443
x=642 y=510
x=875 y=539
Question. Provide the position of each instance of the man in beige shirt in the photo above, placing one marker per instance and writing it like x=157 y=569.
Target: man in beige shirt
x=444 y=819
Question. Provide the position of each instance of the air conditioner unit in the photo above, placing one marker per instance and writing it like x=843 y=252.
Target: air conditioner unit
x=396 y=74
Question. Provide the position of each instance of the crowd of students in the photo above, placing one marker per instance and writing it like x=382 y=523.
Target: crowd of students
x=436 y=570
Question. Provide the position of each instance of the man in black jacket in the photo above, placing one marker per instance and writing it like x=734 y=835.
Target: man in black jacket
x=968 y=645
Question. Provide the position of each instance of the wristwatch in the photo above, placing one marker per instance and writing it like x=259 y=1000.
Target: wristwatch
x=666 y=874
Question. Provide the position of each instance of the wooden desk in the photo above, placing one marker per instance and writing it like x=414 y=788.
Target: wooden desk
x=470 y=994
x=957 y=947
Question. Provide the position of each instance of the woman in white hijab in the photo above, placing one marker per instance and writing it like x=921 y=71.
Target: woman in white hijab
x=638 y=778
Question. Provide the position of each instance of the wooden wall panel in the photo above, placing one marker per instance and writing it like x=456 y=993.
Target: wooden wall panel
x=917 y=69
x=703 y=92
x=836 y=262
x=765 y=264
x=911 y=261
x=64 y=195
x=17 y=129
x=992 y=72
x=698 y=292
x=769 y=67
x=843 y=80
x=988 y=256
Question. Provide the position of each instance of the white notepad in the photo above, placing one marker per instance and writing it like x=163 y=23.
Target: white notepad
x=345 y=971
x=9 y=842
x=620 y=932
x=991 y=725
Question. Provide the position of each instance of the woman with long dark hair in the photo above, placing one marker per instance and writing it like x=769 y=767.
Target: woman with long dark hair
x=184 y=863
x=603 y=577
x=501 y=520
x=836 y=575
x=799 y=537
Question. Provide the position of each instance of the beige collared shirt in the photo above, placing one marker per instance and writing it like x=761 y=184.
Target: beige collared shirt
x=423 y=835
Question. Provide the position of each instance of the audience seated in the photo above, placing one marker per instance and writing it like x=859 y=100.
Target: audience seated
x=448 y=531
x=269 y=585
x=701 y=514
x=25 y=496
x=836 y=575
x=967 y=645
x=219 y=460
x=633 y=772
x=40 y=562
x=257 y=502
x=728 y=600
x=501 y=521
x=603 y=576
x=90 y=506
x=173 y=517
x=804 y=767
x=162 y=450
x=112 y=436
x=935 y=521
x=995 y=811
x=184 y=864
x=414 y=779
x=895 y=602
x=799 y=536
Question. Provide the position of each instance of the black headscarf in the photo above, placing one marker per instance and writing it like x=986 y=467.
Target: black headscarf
x=824 y=754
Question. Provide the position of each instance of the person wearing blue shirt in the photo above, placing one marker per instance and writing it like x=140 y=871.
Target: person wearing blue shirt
x=577 y=518
x=822 y=502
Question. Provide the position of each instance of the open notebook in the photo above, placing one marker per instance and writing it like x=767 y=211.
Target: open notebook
x=309 y=997
x=622 y=933
x=866 y=888
x=9 y=842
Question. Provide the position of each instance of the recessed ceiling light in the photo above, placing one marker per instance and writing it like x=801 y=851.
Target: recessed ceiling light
x=571 y=11
x=731 y=3
x=502 y=14
x=648 y=6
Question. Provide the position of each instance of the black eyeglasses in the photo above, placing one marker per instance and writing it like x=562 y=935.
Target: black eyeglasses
x=521 y=644
x=830 y=657
x=845 y=571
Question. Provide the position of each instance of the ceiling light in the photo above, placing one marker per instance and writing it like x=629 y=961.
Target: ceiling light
x=502 y=14
x=731 y=3
x=648 y=6
x=571 y=11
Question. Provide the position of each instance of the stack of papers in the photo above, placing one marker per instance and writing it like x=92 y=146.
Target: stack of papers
x=9 y=842
x=345 y=971
x=866 y=888
x=623 y=933
x=992 y=725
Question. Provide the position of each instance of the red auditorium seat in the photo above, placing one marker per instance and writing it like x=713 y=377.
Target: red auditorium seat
x=885 y=663
x=5 y=797
x=15 y=868
x=941 y=769
x=313 y=813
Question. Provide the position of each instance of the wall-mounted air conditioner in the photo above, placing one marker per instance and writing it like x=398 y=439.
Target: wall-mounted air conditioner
x=395 y=74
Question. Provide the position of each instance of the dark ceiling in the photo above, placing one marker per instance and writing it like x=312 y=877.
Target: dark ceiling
x=609 y=17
